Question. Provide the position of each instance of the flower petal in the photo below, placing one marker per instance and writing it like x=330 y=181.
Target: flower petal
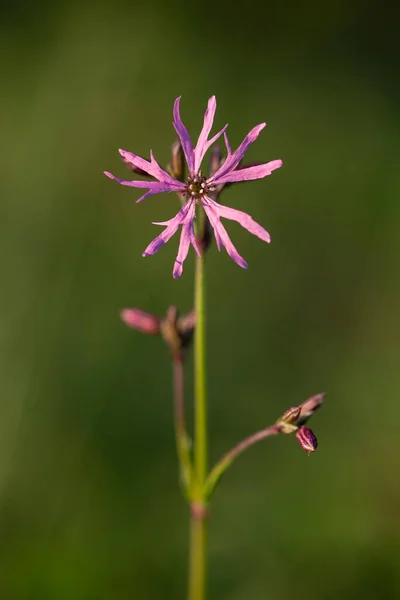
x=171 y=227
x=234 y=159
x=249 y=173
x=203 y=143
x=228 y=146
x=221 y=235
x=193 y=241
x=187 y=236
x=154 y=187
x=152 y=168
x=184 y=137
x=242 y=218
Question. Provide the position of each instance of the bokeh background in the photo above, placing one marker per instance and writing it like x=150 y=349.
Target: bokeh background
x=89 y=503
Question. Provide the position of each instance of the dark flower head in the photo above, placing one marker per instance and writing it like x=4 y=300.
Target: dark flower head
x=197 y=188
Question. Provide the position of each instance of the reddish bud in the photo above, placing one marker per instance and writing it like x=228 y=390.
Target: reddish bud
x=307 y=439
x=177 y=331
x=177 y=166
x=309 y=406
x=205 y=238
x=216 y=160
x=141 y=320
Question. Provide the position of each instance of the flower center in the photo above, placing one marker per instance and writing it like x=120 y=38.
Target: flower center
x=197 y=187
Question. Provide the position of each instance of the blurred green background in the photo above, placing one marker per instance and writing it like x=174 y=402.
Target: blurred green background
x=89 y=503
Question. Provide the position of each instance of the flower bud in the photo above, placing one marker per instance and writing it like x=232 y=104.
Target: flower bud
x=308 y=407
x=307 y=439
x=177 y=166
x=186 y=325
x=205 y=238
x=287 y=422
x=177 y=331
x=216 y=160
x=141 y=320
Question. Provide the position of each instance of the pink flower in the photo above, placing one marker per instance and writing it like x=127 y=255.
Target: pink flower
x=197 y=188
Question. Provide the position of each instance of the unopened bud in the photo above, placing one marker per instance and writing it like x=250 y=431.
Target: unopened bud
x=186 y=325
x=205 y=238
x=216 y=160
x=309 y=406
x=177 y=166
x=287 y=422
x=141 y=320
x=307 y=439
x=177 y=331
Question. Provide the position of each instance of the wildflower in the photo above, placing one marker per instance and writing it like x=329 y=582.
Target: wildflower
x=176 y=330
x=307 y=439
x=197 y=188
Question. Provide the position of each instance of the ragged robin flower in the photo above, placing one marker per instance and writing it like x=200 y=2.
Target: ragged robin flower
x=197 y=188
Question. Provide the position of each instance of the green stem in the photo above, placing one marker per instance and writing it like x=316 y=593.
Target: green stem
x=197 y=565
x=200 y=457
x=230 y=456
x=197 y=573
x=182 y=439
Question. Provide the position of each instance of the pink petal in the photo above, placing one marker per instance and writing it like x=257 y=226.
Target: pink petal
x=233 y=160
x=187 y=235
x=154 y=187
x=152 y=168
x=242 y=218
x=222 y=236
x=140 y=320
x=184 y=137
x=228 y=146
x=249 y=173
x=193 y=241
x=171 y=227
x=203 y=143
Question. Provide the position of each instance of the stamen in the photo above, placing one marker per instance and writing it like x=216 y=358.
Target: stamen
x=197 y=187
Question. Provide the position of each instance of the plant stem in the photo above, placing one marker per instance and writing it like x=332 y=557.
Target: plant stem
x=197 y=566
x=200 y=457
x=182 y=440
x=230 y=456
